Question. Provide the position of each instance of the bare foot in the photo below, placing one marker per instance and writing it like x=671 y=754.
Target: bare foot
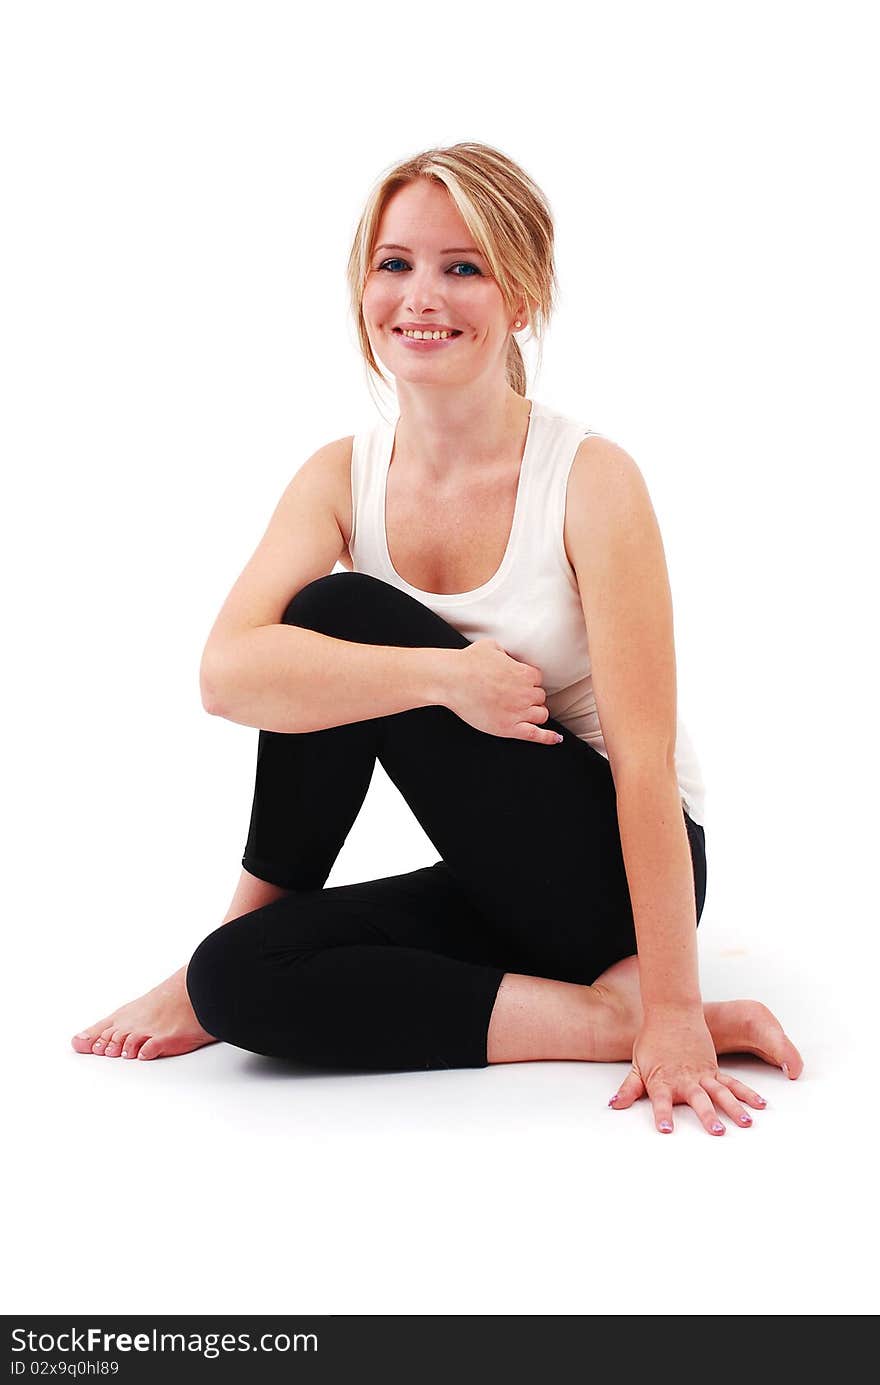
x=160 y=1024
x=736 y=1026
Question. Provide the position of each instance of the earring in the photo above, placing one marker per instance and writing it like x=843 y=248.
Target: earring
x=517 y=323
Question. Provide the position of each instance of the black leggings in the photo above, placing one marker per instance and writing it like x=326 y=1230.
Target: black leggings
x=402 y=972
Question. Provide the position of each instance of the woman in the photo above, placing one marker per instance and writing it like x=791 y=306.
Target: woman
x=485 y=535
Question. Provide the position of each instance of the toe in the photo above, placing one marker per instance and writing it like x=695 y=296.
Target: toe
x=152 y=1048
x=770 y=1042
x=132 y=1045
x=101 y=1042
x=84 y=1040
x=114 y=1046
x=791 y=1062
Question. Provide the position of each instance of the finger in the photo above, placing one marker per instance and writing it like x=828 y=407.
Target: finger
x=537 y=714
x=699 y=1099
x=740 y=1090
x=661 y=1100
x=724 y=1098
x=528 y=731
x=631 y=1089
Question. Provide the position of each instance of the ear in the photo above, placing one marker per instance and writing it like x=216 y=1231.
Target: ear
x=523 y=311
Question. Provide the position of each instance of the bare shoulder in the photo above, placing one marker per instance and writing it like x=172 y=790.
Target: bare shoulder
x=303 y=540
x=327 y=477
x=606 y=492
x=599 y=463
x=330 y=471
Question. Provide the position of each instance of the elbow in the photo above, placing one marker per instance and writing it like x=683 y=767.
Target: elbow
x=211 y=686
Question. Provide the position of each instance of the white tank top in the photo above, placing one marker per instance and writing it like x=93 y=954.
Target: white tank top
x=531 y=604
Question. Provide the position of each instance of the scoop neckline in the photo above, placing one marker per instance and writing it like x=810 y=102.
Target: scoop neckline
x=518 y=508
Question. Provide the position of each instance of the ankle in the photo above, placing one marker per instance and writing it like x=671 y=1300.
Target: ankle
x=612 y=1026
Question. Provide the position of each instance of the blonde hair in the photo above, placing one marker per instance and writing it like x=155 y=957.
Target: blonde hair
x=509 y=218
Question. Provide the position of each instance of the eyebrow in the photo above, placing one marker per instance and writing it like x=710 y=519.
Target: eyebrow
x=453 y=250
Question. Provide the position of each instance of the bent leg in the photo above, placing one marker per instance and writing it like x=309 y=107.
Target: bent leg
x=353 y=976
x=531 y=846
x=528 y=831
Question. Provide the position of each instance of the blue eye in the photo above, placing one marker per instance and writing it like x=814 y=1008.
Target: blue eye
x=462 y=264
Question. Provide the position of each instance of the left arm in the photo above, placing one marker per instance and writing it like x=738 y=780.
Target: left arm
x=660 y=876
x=614 y=544
x=615 y=547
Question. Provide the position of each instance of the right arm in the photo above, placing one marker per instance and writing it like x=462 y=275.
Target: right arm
x=258 y=672
x=288 y=678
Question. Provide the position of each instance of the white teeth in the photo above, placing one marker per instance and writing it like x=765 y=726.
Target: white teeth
x=426 y=336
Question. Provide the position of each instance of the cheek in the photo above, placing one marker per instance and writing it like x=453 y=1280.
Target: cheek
x=377 y=299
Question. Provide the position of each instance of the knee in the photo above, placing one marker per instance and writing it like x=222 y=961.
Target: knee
x=217 y=977
x=326 y=604
x=357 y=606
x=268 y=1006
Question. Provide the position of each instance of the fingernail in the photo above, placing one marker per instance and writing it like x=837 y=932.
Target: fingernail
x=614 y=1098
x=786 y=1070
x=745 y=1119
x=666 y=1126
x=718 y=1127
x=558 y=739
x=762 y=1100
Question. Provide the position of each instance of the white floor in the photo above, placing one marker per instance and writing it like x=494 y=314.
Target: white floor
x=226 y=1182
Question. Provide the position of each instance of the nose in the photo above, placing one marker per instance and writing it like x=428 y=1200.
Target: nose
x=422 y=295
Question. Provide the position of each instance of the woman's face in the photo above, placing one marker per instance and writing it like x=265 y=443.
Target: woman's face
x=426 y=271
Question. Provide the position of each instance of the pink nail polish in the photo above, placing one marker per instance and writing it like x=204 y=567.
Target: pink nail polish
x=614 y=1098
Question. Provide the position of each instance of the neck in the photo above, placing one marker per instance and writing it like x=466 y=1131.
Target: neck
x=452 y=434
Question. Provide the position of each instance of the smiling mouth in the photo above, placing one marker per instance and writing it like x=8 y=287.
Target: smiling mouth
x=399 y=332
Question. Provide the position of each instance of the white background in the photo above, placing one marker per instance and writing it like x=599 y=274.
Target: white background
x=181 y=184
